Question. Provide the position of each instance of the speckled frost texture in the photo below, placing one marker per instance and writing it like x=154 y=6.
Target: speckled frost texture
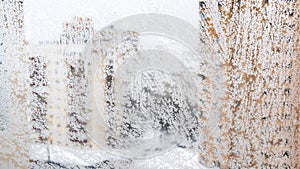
x=76 y=32
x=111 y=58
x=259 y=41
x=50 y=104
x=14 y=129
x=38 y=97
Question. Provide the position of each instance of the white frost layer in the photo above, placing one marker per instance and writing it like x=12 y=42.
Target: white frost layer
x=175 y=158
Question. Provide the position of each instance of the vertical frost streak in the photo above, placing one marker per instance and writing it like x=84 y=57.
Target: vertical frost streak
x=260 y=119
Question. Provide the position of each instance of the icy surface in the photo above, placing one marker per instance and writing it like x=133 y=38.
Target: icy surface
x=187 y=84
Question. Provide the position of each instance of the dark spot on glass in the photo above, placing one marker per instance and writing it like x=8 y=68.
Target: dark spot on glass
x=286 y=154
x=201 y=4
x=219 y=4
x=287 y=91
x=289 y=65
x=202 y=76
x=288 y=79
